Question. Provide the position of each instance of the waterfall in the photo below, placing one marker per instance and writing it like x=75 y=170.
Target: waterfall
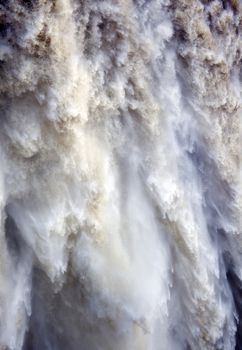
x=120 y=177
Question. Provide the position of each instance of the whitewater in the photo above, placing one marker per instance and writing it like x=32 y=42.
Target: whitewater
x=120 y=175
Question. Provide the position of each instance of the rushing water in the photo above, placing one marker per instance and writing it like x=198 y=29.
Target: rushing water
x=120 y=177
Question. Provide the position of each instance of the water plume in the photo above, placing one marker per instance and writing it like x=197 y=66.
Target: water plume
x=120 y=179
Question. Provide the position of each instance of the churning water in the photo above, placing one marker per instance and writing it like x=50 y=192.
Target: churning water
x=120 y=177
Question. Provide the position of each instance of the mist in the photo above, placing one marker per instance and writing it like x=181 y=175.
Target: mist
x=120 y=177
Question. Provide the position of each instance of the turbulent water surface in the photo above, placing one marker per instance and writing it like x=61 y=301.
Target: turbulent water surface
x=120 y=177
